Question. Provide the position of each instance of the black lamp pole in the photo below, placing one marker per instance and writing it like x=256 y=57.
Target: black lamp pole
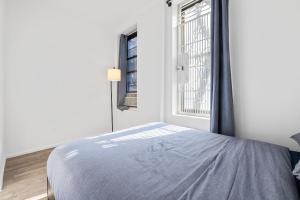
x=111 y=108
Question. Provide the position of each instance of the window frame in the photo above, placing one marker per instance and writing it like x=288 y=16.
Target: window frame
x=180 y=7
x=129 y=37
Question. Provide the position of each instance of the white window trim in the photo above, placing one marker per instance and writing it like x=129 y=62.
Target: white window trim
x=175 y=14
x=174 y=7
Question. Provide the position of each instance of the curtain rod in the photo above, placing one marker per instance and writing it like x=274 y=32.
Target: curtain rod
x=169 y=3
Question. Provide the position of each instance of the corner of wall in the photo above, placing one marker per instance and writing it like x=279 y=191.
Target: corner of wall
x=2 y=167
x=2 y=71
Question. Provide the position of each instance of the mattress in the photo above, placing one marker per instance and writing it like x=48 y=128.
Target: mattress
x=161 y=161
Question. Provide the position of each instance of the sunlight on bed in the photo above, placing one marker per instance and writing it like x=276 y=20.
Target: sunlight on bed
x=103 y=142
x=107 y=146
x=159 y=132
x=71 y=154
x=122 y=131
x=149 y=134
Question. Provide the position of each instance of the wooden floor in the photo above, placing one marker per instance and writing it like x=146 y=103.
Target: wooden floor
x=25 y=177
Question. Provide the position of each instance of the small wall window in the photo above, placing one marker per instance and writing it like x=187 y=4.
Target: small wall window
x=131 y=71
x=131 y=77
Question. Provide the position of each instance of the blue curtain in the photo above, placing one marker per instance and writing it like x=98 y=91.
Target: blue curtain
x=123 y=67
x=222 y=114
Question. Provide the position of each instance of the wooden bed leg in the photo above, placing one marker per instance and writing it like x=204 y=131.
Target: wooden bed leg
x=50 y=195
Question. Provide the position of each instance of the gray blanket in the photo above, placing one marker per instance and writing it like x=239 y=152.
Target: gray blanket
x=165 y=162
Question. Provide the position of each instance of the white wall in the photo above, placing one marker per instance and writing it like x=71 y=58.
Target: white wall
x=56 y=67
x=266 y=69
x=265 y=66
x=150 y=66
x=56 y=76
x=2 y=157
x=57 y=56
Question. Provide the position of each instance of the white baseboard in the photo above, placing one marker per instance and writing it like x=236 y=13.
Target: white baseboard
x=3 y=161
x=41 y=148
x=31 y=151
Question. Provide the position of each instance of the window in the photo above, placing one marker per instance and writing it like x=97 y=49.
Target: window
x=194 y=54
x=131 y=71
x=132 y=64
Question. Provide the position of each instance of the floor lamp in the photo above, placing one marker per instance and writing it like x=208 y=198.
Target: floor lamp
x=113 y=75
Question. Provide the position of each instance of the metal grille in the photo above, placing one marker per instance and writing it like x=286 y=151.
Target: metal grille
x=194 y=54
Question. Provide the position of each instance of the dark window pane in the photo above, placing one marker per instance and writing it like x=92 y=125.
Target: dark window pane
x=132 y=52
x=131 y=82
x=132 y=43
x=132 y=64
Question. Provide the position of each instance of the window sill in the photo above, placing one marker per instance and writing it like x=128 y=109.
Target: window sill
x=132 y=108
x=192 y=117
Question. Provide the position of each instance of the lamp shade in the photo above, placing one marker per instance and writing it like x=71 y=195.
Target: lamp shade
x=114 y=74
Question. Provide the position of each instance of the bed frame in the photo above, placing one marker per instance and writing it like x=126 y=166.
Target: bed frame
x=295 y=157
x=50 y=194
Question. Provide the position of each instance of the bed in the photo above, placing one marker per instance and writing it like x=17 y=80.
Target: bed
x=160 y=161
